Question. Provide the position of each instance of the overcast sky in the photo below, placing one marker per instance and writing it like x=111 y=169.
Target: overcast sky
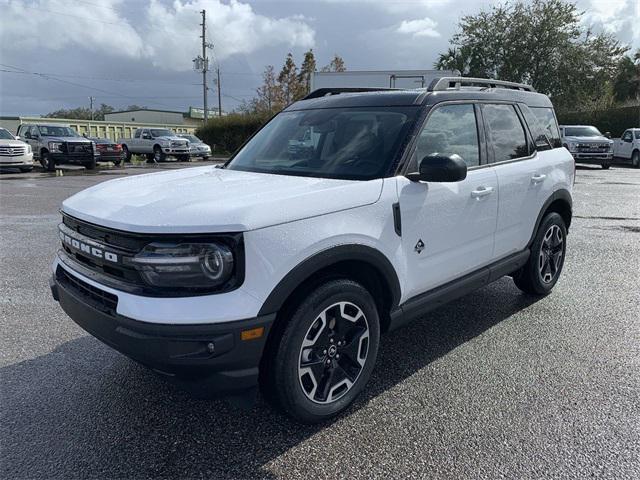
x=140 y=51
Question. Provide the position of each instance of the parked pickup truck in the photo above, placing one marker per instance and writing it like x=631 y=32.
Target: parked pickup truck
x=156 y=144
x=628 y=146
x=587 y=144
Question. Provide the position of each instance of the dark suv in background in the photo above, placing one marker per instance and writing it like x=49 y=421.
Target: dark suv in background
x=56 y=144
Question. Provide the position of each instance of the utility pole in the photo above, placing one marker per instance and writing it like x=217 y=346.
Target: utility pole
x=91 y=99
x=219 y=95
x=205 y=64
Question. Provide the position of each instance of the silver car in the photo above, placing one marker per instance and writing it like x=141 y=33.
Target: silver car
x=197 y=147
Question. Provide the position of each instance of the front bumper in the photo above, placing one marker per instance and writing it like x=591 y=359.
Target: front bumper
x=25 y=160
x=209 y=356
x=594 y=158
x=176 y=151
x=73 y=158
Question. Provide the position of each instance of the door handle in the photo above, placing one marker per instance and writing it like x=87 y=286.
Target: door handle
x=537 y=178
x=481 y=192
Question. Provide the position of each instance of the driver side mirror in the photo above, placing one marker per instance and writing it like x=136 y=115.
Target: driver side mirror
x=439 y=168
x=17 y=137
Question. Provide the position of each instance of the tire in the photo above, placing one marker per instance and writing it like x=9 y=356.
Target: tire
x=117 y=163
x=339 y=350
x=540 y=274
x=26 y=169
x=635 y=159
x=605 y=166
x=47 y=161
x=183 y=158
x=126 y=153
x=158 y=154
x=90 y=165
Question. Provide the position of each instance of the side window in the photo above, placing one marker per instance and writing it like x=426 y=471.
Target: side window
x=505 y=132
x=547 y=120
x=627 y=136
x=137 y=134
x=450 y=129
x=541 y=135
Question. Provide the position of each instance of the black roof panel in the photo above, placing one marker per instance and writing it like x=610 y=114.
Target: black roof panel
x=420 y=97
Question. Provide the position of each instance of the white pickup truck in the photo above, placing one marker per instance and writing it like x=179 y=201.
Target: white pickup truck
x=628 y=146
x=156 y=144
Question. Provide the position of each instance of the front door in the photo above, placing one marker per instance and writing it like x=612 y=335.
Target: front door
x=625 y=145
x=448 y=228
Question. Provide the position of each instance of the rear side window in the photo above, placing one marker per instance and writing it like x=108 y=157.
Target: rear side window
x=137 y=134
x=505 y=131
x=548 y=122
x=450 y=129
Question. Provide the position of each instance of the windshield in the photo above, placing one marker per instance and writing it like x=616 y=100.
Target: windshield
x=582 y=132
x=349 y=143
x=55 y=131
x=191 y=138
x=161 y=132
x=5 y=135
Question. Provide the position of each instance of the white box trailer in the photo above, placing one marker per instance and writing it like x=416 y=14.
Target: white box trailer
x=378 y=78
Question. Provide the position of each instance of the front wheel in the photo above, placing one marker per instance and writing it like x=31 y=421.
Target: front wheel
x=126 y=153
x=90 y=165
x=183 y=158
x=327 y=351
x=158 y=155
x=47 y=161
x=542 y=270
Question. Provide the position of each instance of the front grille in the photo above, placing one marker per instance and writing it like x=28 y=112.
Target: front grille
x=593 y=147
x=179 y=144
x=78 y=148
x=6 y=151
x=95 y=297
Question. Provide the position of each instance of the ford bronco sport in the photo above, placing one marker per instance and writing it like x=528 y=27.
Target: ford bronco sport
x=283 y=267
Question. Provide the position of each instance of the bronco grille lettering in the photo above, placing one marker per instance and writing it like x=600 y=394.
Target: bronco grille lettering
x=88 y=249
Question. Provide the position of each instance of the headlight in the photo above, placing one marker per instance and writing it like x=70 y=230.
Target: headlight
x=55 y=146
x=93 y=146
x=572 y=146
x=28 y=148
x=194 y=265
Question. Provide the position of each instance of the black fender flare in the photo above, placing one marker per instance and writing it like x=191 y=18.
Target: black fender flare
x=326 y=258
x=561 y=194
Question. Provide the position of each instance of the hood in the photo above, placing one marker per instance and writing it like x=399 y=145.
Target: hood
x=172 y=139
x=47 y=138
x=209 y=199
x=592 y=139
x=12 y=143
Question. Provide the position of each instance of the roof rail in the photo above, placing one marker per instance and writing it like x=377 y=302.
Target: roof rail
x=322 y=92
x=455 y=83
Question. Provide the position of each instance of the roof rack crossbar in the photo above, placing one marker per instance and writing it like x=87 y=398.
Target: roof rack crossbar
x=323 y=92
x=455 y=83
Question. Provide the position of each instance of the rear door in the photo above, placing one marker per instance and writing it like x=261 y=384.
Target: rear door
x=448 y=228
x=524 y=174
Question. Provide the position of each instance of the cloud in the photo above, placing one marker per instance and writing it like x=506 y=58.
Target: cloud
x=167 y=35
x=398 y=7
x=424 y=27
x=618 y=17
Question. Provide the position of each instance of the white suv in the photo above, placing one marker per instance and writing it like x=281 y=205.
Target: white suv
x=285 y=266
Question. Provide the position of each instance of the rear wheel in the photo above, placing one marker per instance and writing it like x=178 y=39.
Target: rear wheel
x=327 y=351
x=540 y=274
x=635 y=159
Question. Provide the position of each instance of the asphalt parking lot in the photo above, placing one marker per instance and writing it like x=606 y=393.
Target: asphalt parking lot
x=497 y=384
